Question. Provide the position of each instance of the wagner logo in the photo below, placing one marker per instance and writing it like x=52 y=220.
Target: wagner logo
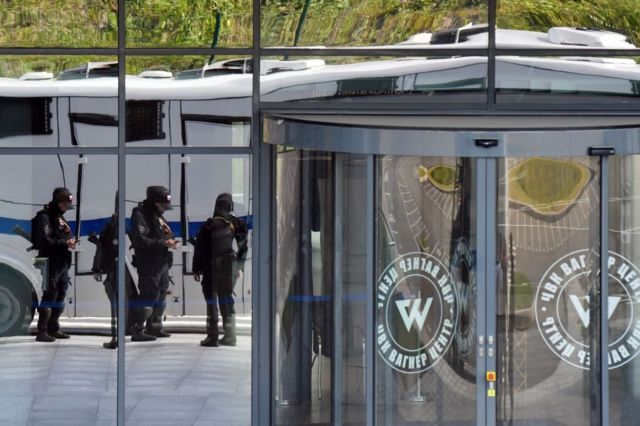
x=415 y=316
x=417 y=312
x=563 y=310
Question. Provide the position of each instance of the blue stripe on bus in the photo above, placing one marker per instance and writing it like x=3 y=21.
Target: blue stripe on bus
x=96 y=225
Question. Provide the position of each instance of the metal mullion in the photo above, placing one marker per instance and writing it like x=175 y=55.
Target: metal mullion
x=565 y=51
x=405 y=107
x=500 y=110
x=58 y=151
x=338 y=292
x=372 y=52
x=370 y=282
x=602 y=108
x=481 y=262
x=121 y=276
x=604 y=291
x=491 y=59
x=263 y=272
x=595 y=312
x=293 y=52
x=491 y=280
x=189 y=150
x=66 y=51
x=128 y=150
x=166 y=51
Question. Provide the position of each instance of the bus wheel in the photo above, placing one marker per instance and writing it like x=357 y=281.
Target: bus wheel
x=16 y=302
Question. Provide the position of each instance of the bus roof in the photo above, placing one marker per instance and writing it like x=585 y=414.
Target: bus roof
x=282 y=74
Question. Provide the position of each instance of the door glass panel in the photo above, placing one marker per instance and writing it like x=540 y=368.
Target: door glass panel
x=567 y=80
x=560 y=23
x=54 y=318
x=426 y=290
x=374 y=79
x=189 y=355
x=546 y=264
x=393 y=23
x=320 y=288
x=351 y=239
x=195 y=23
x=624 y=282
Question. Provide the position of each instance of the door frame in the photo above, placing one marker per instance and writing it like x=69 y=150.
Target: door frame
x=487 y=146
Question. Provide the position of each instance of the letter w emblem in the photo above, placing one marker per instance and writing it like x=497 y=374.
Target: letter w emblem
x=584 y=313
x=415 y=315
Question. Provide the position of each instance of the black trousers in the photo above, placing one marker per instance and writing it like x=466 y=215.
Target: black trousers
x=131 y=296
x=217 y=289
x=53 y=298
x=153 y=285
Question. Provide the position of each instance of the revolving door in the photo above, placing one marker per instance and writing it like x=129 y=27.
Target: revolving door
x=425 y=277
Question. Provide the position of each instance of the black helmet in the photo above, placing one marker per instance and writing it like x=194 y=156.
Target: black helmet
x=62 y=195
x=159 y=194
x=224 y=205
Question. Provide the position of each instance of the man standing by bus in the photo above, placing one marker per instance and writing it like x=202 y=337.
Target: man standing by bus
x=105 y=262
x=152 y=240
x=218 y=265
x=51 y=236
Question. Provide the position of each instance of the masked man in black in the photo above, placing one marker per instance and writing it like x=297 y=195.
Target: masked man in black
x=218 y=265
x=51 y=236
x=105 y=261
x=151 y=239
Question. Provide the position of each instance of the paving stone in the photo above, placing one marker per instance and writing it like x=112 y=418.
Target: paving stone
x=168 y=382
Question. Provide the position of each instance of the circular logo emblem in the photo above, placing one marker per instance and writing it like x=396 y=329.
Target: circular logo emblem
x=417 y=312
x=563 y=311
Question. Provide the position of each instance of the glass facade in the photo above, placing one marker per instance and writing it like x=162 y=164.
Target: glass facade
x=319 y=212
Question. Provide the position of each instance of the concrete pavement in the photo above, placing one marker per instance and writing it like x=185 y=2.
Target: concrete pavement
x=170 y=381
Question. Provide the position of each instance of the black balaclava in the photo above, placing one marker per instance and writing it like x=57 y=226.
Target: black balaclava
x=158 y=194
x=224 y=205
x=61 y=195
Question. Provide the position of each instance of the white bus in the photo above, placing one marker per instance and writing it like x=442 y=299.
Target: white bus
x=211 y=106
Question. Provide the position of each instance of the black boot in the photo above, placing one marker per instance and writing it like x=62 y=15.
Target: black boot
x=212 y=327
x=43 y=318
x=53 y=327
x=210 y=341
x=138 y=334
x=113 y=344
x=229 y=327
x=154 y=325
x=59 y=334
x=141 y=336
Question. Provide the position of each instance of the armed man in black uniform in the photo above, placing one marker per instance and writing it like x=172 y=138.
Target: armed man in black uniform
x=151 y=239
x=218 y=265
x=105 y=262
x=51 y=236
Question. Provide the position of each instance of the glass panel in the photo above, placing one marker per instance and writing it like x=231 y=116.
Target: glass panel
x=547 y=269
x=41 y=107
x=370 y=22
x=593 y=24
x=59 y=23
x=48 y=291
x=369 y=79
x=198 y=23
x=567 y=80
x=426 y=291
x=187 y=263
x=624 y=332
x=189 y=101
x=352 y=236
x=319 y=200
